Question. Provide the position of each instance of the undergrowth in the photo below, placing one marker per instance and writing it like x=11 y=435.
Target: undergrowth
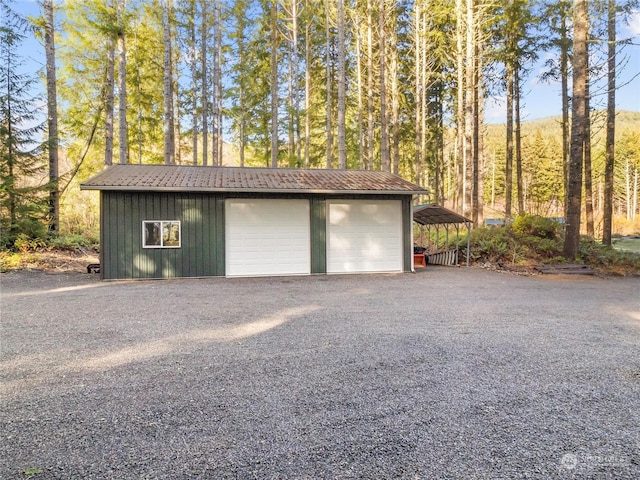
x=26 y=250
x=533 y=240
x=529 y=241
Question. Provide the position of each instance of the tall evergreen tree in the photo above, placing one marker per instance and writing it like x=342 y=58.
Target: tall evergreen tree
x=342 y=88
x=52 y=115
x=23 y=205
x=274 y=83
x=169 y=119
x=607 y=217
x=578 y=127
x=110 y=82
x=123 y=136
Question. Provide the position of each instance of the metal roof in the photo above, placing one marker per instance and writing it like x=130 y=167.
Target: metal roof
x=188 y=178
x=436 y=215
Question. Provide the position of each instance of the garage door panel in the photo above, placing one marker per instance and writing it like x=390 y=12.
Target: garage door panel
x=267 y=237
x=364 y=236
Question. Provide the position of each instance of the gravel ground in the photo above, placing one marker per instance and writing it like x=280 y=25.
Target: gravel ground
x=448 y=373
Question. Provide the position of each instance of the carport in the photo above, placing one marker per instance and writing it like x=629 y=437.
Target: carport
x=432 y=216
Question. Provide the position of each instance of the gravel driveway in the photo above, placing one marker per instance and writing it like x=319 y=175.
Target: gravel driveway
x=448 y=373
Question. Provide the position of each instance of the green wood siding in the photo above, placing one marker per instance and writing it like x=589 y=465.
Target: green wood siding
x=318 y=235
x=202 y=235
x=407 y=233
x=202 y=251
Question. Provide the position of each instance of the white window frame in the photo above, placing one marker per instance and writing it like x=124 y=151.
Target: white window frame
x=162 y=241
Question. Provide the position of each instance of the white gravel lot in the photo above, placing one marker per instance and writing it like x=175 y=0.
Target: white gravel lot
x=448 y=373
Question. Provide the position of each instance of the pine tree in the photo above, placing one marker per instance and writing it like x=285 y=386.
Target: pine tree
x=169 y=119
x=52 y=116
x=607 y=217
x=122 y=82
x=578 y=127
x=23 y=203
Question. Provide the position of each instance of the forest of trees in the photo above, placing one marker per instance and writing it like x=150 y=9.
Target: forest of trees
x=394 y=85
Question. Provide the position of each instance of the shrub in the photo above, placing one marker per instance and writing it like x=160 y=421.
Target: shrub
x=530 y=238
x=25 y=228
x=607 y=259
x=9 y=261
x=73 y=243
x=535 y=226
x=23 y=243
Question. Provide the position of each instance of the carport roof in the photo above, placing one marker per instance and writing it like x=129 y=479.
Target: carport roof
x=187 y=178
x=436 y=215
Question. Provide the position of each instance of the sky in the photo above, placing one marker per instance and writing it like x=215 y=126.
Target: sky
x=543 y=99
x=540 y=99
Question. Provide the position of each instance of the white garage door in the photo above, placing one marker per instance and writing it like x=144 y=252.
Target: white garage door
x=364 y=236
x=267 y=237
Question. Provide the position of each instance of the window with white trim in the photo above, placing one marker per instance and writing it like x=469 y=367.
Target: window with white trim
x=161 y=234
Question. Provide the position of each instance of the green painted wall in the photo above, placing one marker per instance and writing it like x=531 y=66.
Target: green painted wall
x=318 y=235
x=202 y=231
x=202 y=252
x=407 y=233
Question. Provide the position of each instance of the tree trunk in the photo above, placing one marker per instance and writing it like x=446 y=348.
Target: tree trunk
x=169 y=124
x=370 y=148
x=468 y=111
x=588 y=179
x=122 y=91
x=384 y=121
x=194 y=84
x=634 y=210
x=110 y=96
x=204 y=33
x=460 y=107
x=628 y=189
x=329 y=99
x=358 y=61
x=565 y=44
x=216 y=148
x=469 y=127
x=274 y=84
x=518 y=138
x=480 y=148
x=395 y=102
x=342 y=90
x=307 y=92
x=477 y=187
x=578 y=128
x=418 y=87
x=290 y=94
x=607 y=216
x=508 y=181
x=52 y=117
x=295 y=107
x=423 y=98
x=242 y=121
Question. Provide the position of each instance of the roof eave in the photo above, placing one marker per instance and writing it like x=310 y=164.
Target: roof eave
x=251 y=190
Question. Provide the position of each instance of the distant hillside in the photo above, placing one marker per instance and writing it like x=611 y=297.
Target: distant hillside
x=624 y=119
x=552 y=126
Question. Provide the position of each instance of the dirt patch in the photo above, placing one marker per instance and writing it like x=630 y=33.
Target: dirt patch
x=50 y=261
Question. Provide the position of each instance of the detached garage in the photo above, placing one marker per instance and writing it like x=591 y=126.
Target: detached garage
x=164 y=221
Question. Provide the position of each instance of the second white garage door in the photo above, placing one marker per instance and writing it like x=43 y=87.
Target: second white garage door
x=364 y=236
x=267 y=237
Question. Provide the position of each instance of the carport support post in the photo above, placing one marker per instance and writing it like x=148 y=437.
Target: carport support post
x=457 y=243
x=468 y=241
x=446 y=238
